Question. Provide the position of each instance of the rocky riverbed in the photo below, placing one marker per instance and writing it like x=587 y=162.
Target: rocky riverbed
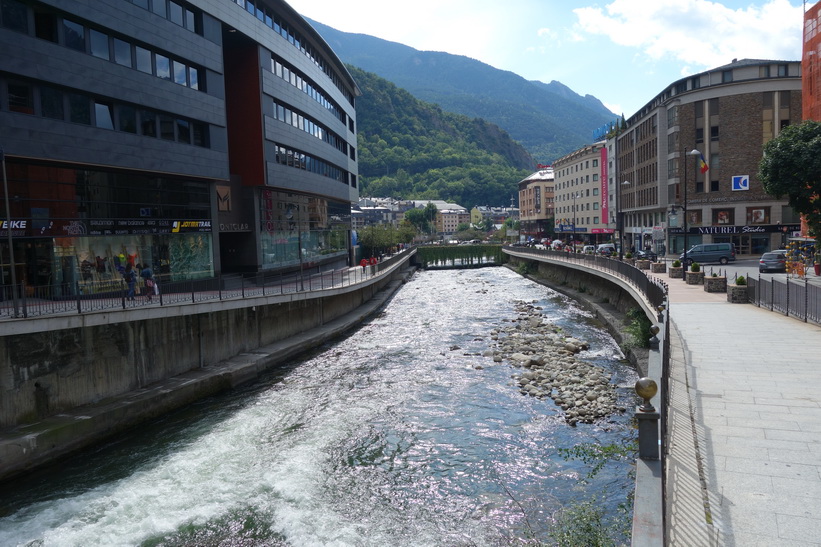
x=550 y=367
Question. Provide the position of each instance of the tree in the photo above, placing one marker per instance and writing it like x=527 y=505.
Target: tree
x=791 y=167
x=418 y=218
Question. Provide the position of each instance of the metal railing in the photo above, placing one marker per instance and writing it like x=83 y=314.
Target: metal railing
x=797 y=298
x=94 y=296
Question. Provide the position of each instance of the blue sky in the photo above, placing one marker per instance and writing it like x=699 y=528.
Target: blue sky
x=623 y=52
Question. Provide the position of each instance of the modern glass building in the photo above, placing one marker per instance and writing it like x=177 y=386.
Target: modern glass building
x=198 y=138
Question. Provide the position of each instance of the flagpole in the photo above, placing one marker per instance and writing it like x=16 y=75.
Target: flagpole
x=8 y=233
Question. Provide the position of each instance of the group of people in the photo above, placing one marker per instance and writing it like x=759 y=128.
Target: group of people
x=130 y=274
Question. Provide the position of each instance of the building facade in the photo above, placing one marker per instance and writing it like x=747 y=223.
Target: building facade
x=195 y=137
x=536 y=205
x=725 y=115
x=582 y=204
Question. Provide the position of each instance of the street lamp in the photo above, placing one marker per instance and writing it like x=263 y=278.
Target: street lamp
x=683 y=206
x=620 y=218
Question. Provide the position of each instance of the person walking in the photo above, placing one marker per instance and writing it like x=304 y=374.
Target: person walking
x=148 y=279
x=130 y=278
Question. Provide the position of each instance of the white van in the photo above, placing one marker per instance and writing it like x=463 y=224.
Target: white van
x=606 y=249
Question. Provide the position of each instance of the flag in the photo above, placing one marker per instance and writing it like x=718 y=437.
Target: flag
x=702 y=165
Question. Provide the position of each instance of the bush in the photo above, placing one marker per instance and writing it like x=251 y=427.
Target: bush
x=740 y=280
x=715 y=275
x=628 y=254
x=677 y=263
x=637 y=329
x=694 y=267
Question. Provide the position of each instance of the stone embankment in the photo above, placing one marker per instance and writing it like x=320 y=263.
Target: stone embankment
x=552 y=369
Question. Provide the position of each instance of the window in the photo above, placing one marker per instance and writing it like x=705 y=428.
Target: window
x=15 y=15
x=714 y=133
x=99 y=44
x=127 y=118
x=122 y=52
x=714 y=186
x=723 y=216
x=163 y=66
x=51 y=103
x=103 y=116
x=699 y=135
x=193 y=78
x=166 y=127
x=764 y=71
x=21 y=98
x=595 y=191
x=175 y=13
x=75 y=36
x=45 y=25
x=699 y=187
x=79 y=109
x=143 y=57
x=158 y=7
x=726 y=76
x=183 y=131
x=782 y=71
x=148 y=123
x=180 y=73
x=758 y=215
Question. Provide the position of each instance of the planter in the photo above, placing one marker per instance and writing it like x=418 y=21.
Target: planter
x=715 y=284
x=643 y=264
x=737 y=294
x=658 y=267
x=694 y=278
x=676 y=272
x=631 y=261
x=817 y=268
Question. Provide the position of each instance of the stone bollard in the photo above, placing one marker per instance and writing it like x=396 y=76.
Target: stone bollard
x=648 y=420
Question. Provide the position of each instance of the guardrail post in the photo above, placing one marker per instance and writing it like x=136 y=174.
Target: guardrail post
x=79 y=296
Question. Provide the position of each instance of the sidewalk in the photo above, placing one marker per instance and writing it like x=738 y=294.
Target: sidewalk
x=744 y=455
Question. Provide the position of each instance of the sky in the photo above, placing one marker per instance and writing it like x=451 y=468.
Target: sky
x=623 y=52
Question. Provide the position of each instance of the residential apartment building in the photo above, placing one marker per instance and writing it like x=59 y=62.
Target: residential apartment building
x=196 y=137
x=726 y=115
x=581 y=195
x=536 y=205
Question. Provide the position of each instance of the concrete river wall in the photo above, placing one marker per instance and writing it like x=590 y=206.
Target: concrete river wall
x=69 y=381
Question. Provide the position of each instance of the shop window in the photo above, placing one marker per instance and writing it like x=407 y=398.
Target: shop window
x=21 y=98
x=15 y=15
x=723 y=217
x=99 y=44
x=103 y=116
x=51 y=103
x=143 y=57
x=74 y=35
x=122 y=52
x=79 y=109
x=758 y=215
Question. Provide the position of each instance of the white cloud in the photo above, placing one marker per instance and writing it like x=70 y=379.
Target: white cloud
x=698 y=32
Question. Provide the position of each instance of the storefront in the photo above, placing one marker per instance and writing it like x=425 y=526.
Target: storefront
x=74 y=230
x=748 y=240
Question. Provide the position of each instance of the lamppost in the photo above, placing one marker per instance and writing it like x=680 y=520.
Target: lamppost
x=683 y=206
x=620 y=217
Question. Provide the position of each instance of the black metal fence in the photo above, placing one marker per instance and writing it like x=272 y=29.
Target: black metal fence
x=25 y=301
x=793 y=297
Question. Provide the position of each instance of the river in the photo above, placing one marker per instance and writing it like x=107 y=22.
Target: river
x=402 y=433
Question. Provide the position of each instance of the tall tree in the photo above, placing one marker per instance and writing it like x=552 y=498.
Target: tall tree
x=791 y=167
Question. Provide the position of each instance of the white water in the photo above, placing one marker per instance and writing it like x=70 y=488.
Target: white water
x=389 y=437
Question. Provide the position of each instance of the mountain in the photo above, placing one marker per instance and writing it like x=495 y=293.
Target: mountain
x=549 y=120
x=410 y=149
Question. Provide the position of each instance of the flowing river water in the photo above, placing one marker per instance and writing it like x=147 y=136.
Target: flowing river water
x=402 y=433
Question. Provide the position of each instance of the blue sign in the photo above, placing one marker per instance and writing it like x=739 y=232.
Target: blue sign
x=741 y=182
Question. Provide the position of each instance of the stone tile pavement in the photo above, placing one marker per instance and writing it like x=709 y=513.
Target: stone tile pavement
x=744 y=457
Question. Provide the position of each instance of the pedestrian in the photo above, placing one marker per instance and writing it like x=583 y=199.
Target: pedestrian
x=148 y=279
x=130 y=278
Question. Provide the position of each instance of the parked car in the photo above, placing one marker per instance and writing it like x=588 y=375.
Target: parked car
x=646 y=255
x=709 y=252
x=606 y=249
x=589 y=249
x=773 y=261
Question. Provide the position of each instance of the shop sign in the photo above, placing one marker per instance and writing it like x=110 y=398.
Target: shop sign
x=733 y=230
x=235 y=227
x=18 y=227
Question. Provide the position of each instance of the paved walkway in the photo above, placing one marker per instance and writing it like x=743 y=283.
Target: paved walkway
x=744 y=457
